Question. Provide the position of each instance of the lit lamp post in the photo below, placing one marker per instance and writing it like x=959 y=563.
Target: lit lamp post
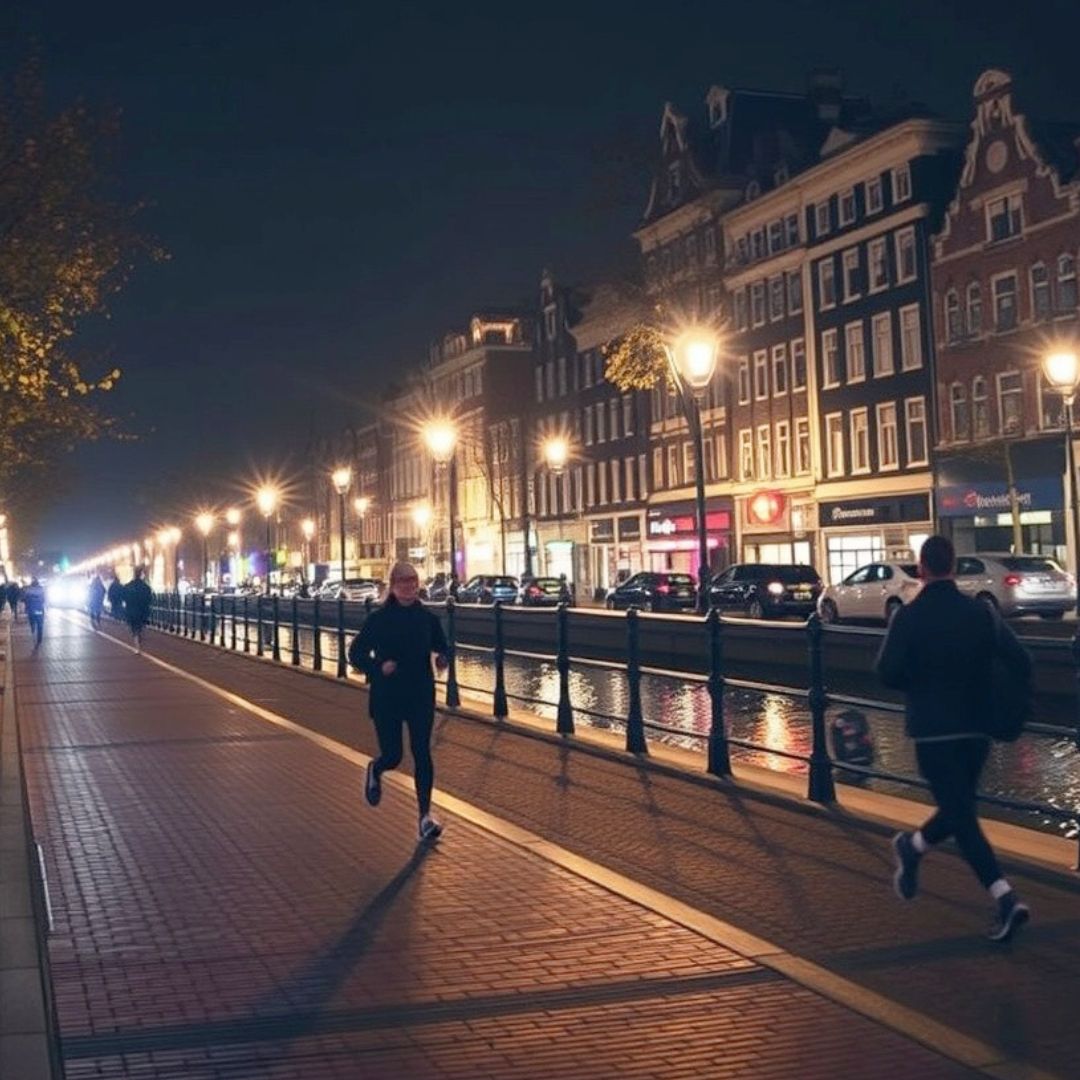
x=204 y=522
x=441 y=438
x=556 y=455
x=693 y=357
x=342 y=480
x=307 y=527
x=267 y=498
x=233 y=518
x=1062 y=371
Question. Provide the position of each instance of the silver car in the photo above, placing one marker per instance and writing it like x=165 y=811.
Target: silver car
x=353 y=589
x=875 y=591
x=1017 y=584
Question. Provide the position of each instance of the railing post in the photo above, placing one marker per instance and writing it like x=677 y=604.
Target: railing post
x=821 y=778
x=202 y=614
x=221 y=619
x=719 y=759
x=342 y=662
x=247 y=643
x=177 y=613
x=564 y=717
x=232 y=621
x=189 y=629
x=277 y=629
x=295 y=632
x=453 y=695
x=258 y=625
x=316 y=638
x=1076 y=662
x=499 y=706
x=635 y=724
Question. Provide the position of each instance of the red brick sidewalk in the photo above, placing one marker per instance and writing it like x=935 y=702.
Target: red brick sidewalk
x=226 y=906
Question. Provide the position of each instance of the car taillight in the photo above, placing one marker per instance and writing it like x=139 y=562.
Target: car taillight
x=534 y=590
x=663 y=590
x=1012 y=580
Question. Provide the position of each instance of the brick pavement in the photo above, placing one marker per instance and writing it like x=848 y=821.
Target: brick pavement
x=226 y=905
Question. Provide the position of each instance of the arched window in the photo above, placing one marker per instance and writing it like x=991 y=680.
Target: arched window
x=980 y=408
x=1040 y=291
x=954 y=328
x=974 y=309
x=1066 y=282
x=958 y=408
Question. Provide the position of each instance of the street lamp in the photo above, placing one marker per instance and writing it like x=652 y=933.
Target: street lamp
x=693 y=356
x=266 y=499
x=307 y=527
x=556 y=455
x=441 y=437
x=204 y=522
x=1062 y=371
x=342 y=480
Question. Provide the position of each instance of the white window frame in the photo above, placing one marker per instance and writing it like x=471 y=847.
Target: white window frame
x=588 y=413
x=901 y=238
x=980 y=397
x=878 y=246
x=673 y=459
x=689 y=463
x=746 y=454
x=849 y=264
x=901 y=184
x=822 y=224
x=628 y=478
x=829 y=338
x=1018 y=393
x=783 y=449
x=1013 y=201
x=803 y=461
x=628 y=414
x=909 y=403
x=849 y=330
x=874 y=205
x=834 y=444
x=1065 y=267
x=658 y=467
x=958 y=399
x=973 y=287
x=761 y=374
x=779 y=370
x=746 y=385
x=798 y=347
x=908 y=361
x=794 y=292
x=616 y=480
x=601 y=434
x=1049 y=312
x=758 y=291
x=740 y=303
x=763 y=446
x=882 y=412
x=845 y=219
x=776 y=289
x=859 y=427
x=1004 y=276
x=954 y=317
x=826 y=264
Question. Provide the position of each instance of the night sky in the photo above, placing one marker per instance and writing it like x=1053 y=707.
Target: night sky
x=337 y=184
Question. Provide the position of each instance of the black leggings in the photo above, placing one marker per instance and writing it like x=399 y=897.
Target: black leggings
x=952 y=769
x=388 y=731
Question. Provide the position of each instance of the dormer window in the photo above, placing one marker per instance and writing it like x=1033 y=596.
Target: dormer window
x=674 y=182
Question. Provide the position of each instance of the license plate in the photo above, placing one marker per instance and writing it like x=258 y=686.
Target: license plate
x=801 y=594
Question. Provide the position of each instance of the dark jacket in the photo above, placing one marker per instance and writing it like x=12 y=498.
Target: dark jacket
x=116 y=598
x=33 y=598
x=407 y=634
x=938 y=650
x=137 y=599
x=96 y=595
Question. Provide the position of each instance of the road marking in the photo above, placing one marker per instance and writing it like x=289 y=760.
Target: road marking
x=970 y=1052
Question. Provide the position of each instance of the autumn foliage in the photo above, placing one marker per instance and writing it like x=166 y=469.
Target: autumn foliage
x=637 y=360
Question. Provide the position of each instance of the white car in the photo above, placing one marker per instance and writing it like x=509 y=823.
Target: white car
x=353 y=589
x=875 y=591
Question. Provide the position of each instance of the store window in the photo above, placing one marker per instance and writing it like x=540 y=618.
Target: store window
x=845 y=554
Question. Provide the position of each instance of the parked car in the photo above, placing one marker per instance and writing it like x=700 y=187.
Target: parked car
x=487 y=588
x=436 y=588
x=875 y=591
x=654 y=591
x=1017 y=584
x=544 y=592
x=766 y=590
x=352 y=589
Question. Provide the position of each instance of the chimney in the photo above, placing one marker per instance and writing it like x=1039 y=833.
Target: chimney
x=825 y=88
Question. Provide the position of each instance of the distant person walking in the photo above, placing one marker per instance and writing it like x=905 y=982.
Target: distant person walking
x=95 y=600
x=138 y=596
x=115 y=593
x=394 y=649
x=33 y=599
x=14 y=593
x=939 y=650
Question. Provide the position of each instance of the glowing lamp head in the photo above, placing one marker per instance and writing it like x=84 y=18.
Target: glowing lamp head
x=233 y=539
x=361 y=504
x=421 y=515
x=1062 y=370
x=342 y=479
x=266 y=498
x=307 y=527
x=441 y=439
x=204 y=523
x=556 y=453
x=695 y=354
x=232 y=516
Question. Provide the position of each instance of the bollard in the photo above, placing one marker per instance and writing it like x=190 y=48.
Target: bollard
x=342 y=661
x=258 y=625
x=247 y=645
x=1076 y=662
x=277 y=629
x=564 y=717
x=232 y=621
x=821 y=778
x=499 y=706
x=635 y=724
x=719 y=758
x=453 y=695
x=316 y=639
x=202 y=615
x=295 y=633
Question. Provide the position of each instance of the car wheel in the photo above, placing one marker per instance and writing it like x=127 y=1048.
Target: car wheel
x=610 y=604
x=891 y=608
x=829 y=614
x=1054 y=616
x=988 y=599
x=754 y=610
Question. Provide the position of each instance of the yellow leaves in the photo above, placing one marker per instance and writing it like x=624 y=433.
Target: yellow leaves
x=637 y=360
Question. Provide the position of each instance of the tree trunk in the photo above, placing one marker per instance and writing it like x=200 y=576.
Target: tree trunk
x=1014 y=502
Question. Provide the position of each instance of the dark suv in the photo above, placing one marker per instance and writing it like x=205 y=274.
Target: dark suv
x=766 y=590
x=654 y=591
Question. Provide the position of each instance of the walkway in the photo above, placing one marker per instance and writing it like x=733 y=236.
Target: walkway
x=226 y=905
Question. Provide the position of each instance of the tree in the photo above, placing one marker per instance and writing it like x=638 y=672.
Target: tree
x=637 y=360
x=66 y=248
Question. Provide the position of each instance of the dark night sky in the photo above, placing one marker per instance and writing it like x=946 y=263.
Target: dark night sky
x=338 y=184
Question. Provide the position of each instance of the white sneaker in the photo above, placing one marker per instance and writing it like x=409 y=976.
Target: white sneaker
x=430 y=829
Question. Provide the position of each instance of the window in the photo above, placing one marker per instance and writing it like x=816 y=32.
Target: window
x=673 y=465
x=821 y=218
x=958 y=411
x=877 y=255
x=1051 y=406
x=847 y=206
x=860 y=441
x=915 y=417
x=613 y=417
x=761 y=374
x=1010 y=402
x=791 y=230
x=980 y=407
x=600 y=434
x=764 y=452
x=586 y=369
x=779 y=369
x=874 y=199
x=643 y=480
x=855 y=352
x=1066 y=283
x=590 y=483
x=794 y=292
x=852 y=283
x=742 y=246
x=757 y=303
x=628 y=470
x=1003 y=218
x=905 y=256
x=757 y=243
x=628 y=414
x=740 y=309
x=776 y=236
x=901 y=184
x=888 y=451
x=588 y=426
x=562 y=375
x=549 y=379
x=826 y=284
x=798 y=364
x=974 y=309
x=802 y=445
x=688 y=463
x=1040 y=291
x=744 y=380
x=829 y=360
x=954 y=327
x=1004 y=302
x=776 y=298
x=708 y=447
x=746 y=454
x=910 y=338
x=657 y=466
x=601 y=481
x=783 y=449
x=539 y=372
x=834 y=444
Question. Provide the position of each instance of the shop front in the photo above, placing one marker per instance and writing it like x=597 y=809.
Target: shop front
x=776 y=527
x=855 y=532
x=672 y=537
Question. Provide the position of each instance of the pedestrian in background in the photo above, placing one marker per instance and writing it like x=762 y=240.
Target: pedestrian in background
x=14 y=592
x=95 y=600
x=138 y=596
x=116 y=597
x=394 y=649
x=940 y=650
x=33 y=598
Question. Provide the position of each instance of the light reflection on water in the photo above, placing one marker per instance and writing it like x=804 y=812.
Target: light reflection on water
x=1037 y=768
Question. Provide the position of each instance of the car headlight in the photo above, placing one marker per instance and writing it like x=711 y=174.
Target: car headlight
x=775 y=588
